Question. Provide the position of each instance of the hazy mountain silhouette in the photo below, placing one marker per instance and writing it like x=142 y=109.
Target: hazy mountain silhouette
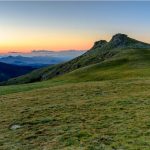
x=8 y=71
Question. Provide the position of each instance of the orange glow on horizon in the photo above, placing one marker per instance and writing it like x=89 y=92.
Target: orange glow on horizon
x=27 y=41
x=54 y=47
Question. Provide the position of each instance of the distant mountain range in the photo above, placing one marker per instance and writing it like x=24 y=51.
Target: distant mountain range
x=39 y=58
x=120 y=50
x=36 y=61
x=8 y=71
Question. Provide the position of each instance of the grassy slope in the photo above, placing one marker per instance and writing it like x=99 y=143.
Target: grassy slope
x=110 y=111
x=129 y=63
x=100 y=52
x=132 y=63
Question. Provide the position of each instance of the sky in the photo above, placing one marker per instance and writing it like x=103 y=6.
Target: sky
x=37 y=25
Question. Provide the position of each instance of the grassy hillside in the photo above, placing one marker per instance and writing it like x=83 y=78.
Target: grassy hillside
x=100 y=52
x=126 y=64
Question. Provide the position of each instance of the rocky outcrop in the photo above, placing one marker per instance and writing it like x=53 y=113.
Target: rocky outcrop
x=119 y=39
x=99 y=44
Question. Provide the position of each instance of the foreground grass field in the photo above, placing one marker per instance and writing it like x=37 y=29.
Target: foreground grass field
x=100 y=115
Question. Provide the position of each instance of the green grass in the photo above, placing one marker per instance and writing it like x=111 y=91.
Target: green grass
x=105 y=115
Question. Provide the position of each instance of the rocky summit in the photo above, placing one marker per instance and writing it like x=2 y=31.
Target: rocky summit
x=119 y=39
x=99 y=44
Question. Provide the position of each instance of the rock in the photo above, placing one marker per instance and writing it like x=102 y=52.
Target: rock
x=99 y=44
x=119 y=39
x=15 y=127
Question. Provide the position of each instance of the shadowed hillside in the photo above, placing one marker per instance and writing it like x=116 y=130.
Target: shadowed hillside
x=8 y=71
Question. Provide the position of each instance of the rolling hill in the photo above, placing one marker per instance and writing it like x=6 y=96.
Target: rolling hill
x=8 y=71
x=119 y=47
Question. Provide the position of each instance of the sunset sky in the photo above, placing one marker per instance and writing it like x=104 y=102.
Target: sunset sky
x=26 y=26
